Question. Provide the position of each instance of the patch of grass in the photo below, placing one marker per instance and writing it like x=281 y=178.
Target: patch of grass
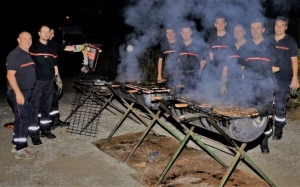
x=295 y=103
x=148 y=65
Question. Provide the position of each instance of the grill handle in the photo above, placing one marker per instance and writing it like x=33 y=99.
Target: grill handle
x=132 y=91
x=181 y=105
x=156 y=98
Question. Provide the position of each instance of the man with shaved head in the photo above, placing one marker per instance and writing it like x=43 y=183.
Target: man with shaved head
x=21 y=80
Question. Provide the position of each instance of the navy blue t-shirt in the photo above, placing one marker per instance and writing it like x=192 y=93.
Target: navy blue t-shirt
x=234 y=70
x=169 y=52
x=21 y=62
x=220 y=47
x=59 y=47
x=285 y=49
x=167 y=48
x=45 y=58
x=258 y=60
x=191 y=55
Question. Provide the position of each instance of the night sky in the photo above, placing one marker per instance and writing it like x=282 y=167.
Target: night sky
x=95 y=17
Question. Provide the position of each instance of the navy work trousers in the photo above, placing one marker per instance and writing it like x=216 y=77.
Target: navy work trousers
x=281 y=95
x=42 y=96
x=22 y=118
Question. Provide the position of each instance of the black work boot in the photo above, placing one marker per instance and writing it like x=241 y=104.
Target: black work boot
x=56 y=122
x=277 y=133
x=47 y=134
x=36 y=140
x=264 y=144
x=63 y=124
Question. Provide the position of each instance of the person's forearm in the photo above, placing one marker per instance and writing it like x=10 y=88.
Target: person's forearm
x=13 y=83
x=211 y=56
x=69 y=48
x=295 y=67
x=56 y=70
x=224 y=71
x=202 y=64
x=159 y=68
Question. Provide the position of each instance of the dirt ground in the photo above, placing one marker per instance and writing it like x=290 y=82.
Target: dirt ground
x=192 y=168
x=294 y=114
x=74 y=160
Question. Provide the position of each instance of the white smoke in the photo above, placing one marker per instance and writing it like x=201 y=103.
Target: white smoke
x=149 y=18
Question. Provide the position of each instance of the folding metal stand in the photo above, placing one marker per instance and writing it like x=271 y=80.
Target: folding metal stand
x=239 y=150
x=130 y=99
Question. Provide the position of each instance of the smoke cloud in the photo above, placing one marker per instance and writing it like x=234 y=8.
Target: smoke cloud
x=150 y=19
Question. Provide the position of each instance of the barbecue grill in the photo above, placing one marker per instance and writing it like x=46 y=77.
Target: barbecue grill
x=241 y=126
x=156 y=101
x=242 y=129
x=195 y=113
x=149 y=93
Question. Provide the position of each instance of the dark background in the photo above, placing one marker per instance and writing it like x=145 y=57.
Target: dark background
x=100 y=17
x=96 y=17
x=102 y=21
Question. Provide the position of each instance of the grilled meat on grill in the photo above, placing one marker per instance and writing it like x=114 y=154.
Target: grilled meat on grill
x=235 y=111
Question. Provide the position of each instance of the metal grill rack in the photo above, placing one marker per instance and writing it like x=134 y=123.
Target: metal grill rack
x=90 y=100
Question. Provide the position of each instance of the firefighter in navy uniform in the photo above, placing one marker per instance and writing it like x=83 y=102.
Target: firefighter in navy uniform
x=167 y=56
x=42 y=95
x=219 y=49
x=232 y=72
x=191 y=59
x=287 y=77
x=45 y=58
x=259 y=62
x=231 y=76
x=21 y=79
x=54 y=113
